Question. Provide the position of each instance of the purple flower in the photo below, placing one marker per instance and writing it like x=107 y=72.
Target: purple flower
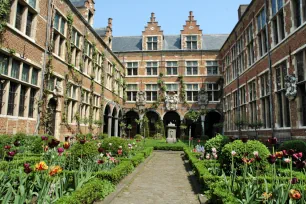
x=17 y=143
x=271 y=159
x=45 y=138
x=12 y=153
x=60 y=150
x=294 y=180
x=53 y=143
x=272 y=140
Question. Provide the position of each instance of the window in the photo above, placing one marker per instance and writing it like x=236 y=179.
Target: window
x=25 y=73
x=34 y=79
x=301 y=67
x=32 y=3
x=59 y=23
x=250 y=45
x=30 y=18
x=131 y=92
x=283 y=112
x=212 y=68
x=262 y=37
x=31 y=104
x=278 y=24
x=242 y=104
x=3 y=64
x=265 y=100
x=171 y=68
x=192 y=68
x=151 y=68
x=172 y=88
x=2 y=91
x=151 y=92
x=11 y=99
x=19 y=13
x=132 y=68
x=297 y=12
x=191 y=42
x=152 y=43
x=53 y=83
x=213 y=92
x=15 y=69
x=192 y=92
x=73 y=92
x=252 y=102
x=22 y=98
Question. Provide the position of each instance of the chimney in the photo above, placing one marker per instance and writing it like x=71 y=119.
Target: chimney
x=152 y=17
x=110 y=23
x=191 y=17
x=241 y=10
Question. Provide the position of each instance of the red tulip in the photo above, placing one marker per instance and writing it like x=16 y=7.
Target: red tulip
x=119 y=151
x=100 y=150
x=300 y=164
x=100 y=161
x=272 y=140
x=294 y=180
x=199 y=141
x=45 y=138
x=191 y=138
x=17 y=143
x=297 y=155
x=60 y=150
x=272 y=159
x=7 y=147
x=82 y=141
x=285 y=153
x=12 y=153
x=66 y=145
x=291 y=152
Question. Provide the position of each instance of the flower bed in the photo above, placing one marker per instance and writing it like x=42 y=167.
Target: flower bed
x=80 y=172
x=247 y=180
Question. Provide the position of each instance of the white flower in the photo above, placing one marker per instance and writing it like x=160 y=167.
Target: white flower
x=234 y=153
x=255 y=153
x=101 y=155
x=207 y=156
x=287 y=160
x=120 y=147
x=214 y=150
x=99 y=144
x=110 y=144
x=215 y=156
x=135 y=145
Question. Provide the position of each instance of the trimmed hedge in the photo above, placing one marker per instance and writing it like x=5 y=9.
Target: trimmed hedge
x=147 y=151
x=4 y=165
x=90 y=192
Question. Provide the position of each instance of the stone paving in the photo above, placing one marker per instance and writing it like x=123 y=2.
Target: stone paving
x=164 y=179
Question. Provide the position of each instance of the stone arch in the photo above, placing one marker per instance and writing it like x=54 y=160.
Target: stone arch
x=173 y=117
x=52 y=109
x=193 y=127
x=114 y=122
x=153 y=118
x=130 y=117
x=106 y=116
x=211 y=118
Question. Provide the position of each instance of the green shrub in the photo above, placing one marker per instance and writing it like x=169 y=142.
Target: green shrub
x=138 y=137
x=297 y=145
x=217 y=142
x=117 y=173
x=147 y=151
x=241 y=149
x=90 y=192
x=16 y=163
x=137 y=159
x=158 y=136
x=87 y=150
x=102 y=136
x=115 y=143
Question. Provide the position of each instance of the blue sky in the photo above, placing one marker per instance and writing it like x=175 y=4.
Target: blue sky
x=130 y=16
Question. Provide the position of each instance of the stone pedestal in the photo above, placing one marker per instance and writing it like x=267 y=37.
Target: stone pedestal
x=171 y=130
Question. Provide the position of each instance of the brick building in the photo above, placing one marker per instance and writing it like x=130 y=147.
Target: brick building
x=60 y=76
x=265 y=53
x=165 y=73
x=53 y=69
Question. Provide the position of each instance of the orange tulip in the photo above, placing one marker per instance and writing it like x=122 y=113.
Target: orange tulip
x=294 y=194
x=266 y=195
x=41 y=166
x=55 y=170
x=279 y=155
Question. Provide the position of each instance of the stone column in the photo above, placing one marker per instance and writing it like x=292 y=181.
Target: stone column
x=116 y=128
x=203 y=124
x=109 y=132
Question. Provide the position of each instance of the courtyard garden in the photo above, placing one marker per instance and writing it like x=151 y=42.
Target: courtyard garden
x=247 y=171
x=41 y=169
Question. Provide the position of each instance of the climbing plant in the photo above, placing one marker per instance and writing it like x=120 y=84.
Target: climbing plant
x=161 y=93
x=182 y=90
x=5 y=8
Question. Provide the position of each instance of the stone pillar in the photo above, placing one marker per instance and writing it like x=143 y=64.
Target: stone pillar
x=116 y=128
x=203 y=124
x=109 y=129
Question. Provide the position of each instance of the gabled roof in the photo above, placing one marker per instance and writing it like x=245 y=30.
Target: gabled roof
x=78 y=3
x=171 y=42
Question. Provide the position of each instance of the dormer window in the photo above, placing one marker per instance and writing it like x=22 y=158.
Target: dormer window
x=191 y=42
x=152 y=43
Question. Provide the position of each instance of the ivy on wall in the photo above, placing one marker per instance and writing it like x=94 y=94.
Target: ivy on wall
x=161 y=92
x=5 y=9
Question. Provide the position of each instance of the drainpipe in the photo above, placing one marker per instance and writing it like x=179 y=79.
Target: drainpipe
x=46 y=53
x=270 y=71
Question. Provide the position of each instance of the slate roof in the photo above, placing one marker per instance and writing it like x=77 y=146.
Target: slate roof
x=171 y=42
x=78 y=3
x=101 y=31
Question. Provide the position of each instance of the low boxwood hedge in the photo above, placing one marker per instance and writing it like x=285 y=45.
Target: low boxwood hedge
x=93 y=190
x=4 y=165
